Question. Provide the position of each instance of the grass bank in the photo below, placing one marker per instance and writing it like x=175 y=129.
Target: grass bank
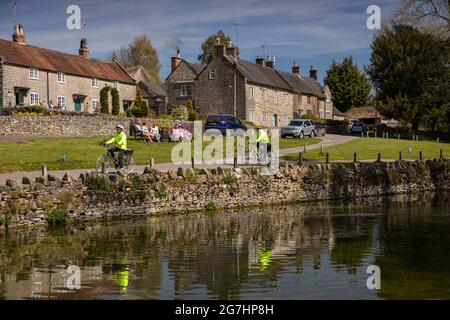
x=368 y=149
x=82 y=153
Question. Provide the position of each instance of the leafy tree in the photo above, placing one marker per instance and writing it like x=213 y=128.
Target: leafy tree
x=139 y=108
x=140 y=52
x=208 y=47
x=348 y=84
x=411 y=72
x=115 y=101
x=193 y=114
x=104 y=100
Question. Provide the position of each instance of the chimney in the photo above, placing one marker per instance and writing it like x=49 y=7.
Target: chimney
x=18 y=35
x=220 y=49
x=260 y=61
x=295 y=68
x=270 y=62
x=176 y=61
x=84 y=50
x=313 y=73
x=232 y=50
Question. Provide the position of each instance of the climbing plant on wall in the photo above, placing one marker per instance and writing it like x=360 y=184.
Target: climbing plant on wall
x=104 y=100
x=115 y=101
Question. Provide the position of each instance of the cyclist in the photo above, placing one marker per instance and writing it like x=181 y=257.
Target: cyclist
x=120 y=146
x=263 y=137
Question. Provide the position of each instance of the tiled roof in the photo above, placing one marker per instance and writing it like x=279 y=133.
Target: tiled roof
x=260 y=74
x=56 y=61
x=302 y=84
x=197 y=66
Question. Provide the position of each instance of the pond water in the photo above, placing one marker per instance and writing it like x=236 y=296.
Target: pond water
x=318 y=251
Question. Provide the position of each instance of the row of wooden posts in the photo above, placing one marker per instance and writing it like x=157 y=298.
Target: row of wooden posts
x=386 y=136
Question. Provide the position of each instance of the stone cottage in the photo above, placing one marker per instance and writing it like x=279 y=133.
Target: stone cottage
x=310 y=98
x=253 y=91
x=30 y=75
x=156 y=96
x=180 y=82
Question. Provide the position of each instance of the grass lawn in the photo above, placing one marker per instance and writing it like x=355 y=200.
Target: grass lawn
x=368 y=149
x=82 y=153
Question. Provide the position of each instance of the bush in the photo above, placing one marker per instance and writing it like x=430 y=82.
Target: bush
x=229 y=180
x=58 y=217
x=313 y=118
x=34 y=109
x=140 y=108
x=211 y=207
x=10 y=210
x=161 y=192
x=115 y=101
x=100 y=184
x=180 y=113
x=104 y=100
x=193 y=114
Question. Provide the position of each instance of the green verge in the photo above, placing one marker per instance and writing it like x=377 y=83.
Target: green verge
x=368 y=149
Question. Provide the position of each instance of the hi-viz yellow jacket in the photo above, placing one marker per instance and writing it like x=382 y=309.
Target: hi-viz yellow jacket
x=120 y=140
x=262 y=136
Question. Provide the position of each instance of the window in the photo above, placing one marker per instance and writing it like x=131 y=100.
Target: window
x=62 y=102
x=114 y=84
x=252 y=115
x=264 y=95
x=34 y=98
x=185 y=90
x=61 y=77
x=94 y=83
x=34 y=74
x=212 y=74
x=94 y=105
x=308 y=100
x=251 y=93
x=264 y=117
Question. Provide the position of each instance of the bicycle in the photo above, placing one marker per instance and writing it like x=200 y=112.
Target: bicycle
x=106 y=164
x=265 y=158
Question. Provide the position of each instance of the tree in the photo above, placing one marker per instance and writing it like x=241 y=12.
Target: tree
x=410 y=70
x=140 y=52
x=180 y=113
x=348 y=84
x=139 y=108
x=193 y=114
x=104 y=100
x=423 y=12
x=208 y=46
x=115 y=101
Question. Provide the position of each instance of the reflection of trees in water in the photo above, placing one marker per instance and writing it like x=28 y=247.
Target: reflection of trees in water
x=415 y=248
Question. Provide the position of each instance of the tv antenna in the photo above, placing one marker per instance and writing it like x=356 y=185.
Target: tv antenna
x=236 y=25
x=263 y=46
x=14 y=10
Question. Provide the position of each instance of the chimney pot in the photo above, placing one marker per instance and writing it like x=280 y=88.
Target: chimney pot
x=260 y=61
x=220 y=49
x=313 y=73
x=295 y=68
x=19 y=35
x=176 y=61
x=232 y=50
x=84 y=49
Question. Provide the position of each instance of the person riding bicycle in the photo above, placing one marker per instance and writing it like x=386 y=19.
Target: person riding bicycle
x=263 y=137
x=120 y=145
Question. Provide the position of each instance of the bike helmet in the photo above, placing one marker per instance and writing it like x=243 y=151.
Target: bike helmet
x=120 y=127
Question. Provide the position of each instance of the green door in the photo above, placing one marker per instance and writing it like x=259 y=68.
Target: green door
x=78 y=105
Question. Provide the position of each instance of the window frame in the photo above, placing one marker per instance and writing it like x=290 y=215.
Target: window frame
x=212 y=74
x=63 y=77
x=34 y=74
x=61 y=105
x=96 y=102
x=264 y=95
x=94 y=83
x=31 y=98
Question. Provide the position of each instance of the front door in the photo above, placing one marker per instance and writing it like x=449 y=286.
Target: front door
x=20 y=97
x=77 y=105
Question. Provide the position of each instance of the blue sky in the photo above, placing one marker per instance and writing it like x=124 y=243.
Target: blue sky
x=307 y=31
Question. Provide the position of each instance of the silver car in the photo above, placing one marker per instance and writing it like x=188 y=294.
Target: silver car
x=299 y=129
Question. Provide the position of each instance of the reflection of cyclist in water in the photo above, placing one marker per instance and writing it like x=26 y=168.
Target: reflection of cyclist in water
x=264 y=256
x=121 y=274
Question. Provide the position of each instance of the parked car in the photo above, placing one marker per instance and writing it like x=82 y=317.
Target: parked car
x=358 y=128
x=320 y=129
x=298 y=129
x=224 y=122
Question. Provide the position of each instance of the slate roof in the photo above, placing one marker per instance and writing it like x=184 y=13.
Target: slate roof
x=56 y=61
x=157 y=89
x=302 y=84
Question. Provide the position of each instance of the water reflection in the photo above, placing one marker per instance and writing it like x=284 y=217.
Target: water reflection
x=288 y=252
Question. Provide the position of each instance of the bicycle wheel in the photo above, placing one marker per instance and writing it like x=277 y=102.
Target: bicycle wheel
x=129 y=165
x=104 y=164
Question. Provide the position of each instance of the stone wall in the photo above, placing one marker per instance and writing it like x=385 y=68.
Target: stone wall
x=155 y=192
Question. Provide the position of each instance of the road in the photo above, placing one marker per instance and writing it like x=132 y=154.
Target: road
x=327 y=141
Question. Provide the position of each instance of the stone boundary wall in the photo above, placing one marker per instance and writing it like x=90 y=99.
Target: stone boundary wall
x=29 y=203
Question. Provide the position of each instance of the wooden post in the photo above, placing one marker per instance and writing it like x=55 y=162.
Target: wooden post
x=400 y=156
x=362 y=134
x=420 y=155
x=193 y=163
x=235 y=162
x=355 y=157
x=376 y=134
x=321 y=149
x=327 y=158
x=44 y=170
x=103 y=168
x=379 y=157
x=441 y=154
x=300 y=158
x=304 y=147
x=152 y=163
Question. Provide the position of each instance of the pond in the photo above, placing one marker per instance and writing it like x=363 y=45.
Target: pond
x=317 y=251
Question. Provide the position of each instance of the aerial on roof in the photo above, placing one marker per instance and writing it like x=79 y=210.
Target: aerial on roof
x=56 y=61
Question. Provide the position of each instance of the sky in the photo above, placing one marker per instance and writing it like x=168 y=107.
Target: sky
x=310 y=32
